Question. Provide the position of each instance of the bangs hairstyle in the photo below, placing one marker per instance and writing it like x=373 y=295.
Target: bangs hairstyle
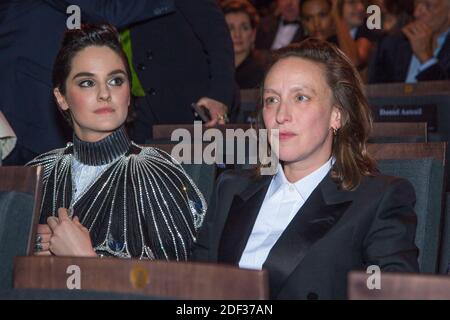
x=350 y=143
x=76 y=40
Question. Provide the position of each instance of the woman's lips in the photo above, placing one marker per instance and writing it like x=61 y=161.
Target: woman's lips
x=283 y=136
x=105 y=110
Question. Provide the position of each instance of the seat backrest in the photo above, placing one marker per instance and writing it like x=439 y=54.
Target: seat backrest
x=429 y=186
x=53 y=294
x=411 y=139
x=427 y=177
x=178 y=280
x=444 y=265
x=249 y=105
x=19 y=213
x=398 y=286
x=203 y=175
x=435 y=150
x=399 y=132
x=400 y=129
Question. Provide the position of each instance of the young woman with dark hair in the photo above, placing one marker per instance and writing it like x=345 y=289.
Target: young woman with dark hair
x=103 y=194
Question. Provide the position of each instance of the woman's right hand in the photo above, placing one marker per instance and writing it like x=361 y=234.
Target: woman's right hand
x=70 y=238
x=42 y=241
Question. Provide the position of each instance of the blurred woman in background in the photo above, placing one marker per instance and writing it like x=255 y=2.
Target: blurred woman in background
x=339 y=22
x=242 y=19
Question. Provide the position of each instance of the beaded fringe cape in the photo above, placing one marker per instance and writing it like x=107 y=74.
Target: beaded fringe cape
x=143 y=205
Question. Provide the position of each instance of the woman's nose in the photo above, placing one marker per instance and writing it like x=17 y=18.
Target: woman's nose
x=104 y=93
x=283 y=113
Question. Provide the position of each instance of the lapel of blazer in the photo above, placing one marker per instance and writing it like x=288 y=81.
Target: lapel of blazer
x=241 y=219
x=403 y=60
x=299 y=35
x=445 y=51
x=316 y=217
x=271 y=31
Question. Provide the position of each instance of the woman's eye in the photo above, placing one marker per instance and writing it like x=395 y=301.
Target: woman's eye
x=302 y=98
x=116 y=81
x=270 y=100
x=86 y=83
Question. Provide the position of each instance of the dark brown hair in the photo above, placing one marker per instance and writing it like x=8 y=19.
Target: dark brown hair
x=349 y=144
x=241 y=6
x=75 y=41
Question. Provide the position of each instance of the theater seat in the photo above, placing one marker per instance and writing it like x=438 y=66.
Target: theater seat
x=444 y=266
x=47 y=294
x=398 y=286
x=396 y=139
x=16 y=213
x=427 y=177
x=204 y=176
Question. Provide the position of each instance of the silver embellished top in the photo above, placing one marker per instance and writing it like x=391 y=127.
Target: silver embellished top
x=83 y=175
x=136 y=201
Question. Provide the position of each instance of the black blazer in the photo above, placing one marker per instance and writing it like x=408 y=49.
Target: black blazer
x=393 y=56
x=30 y=36
x=267 y=31
x=180 y=58
x=333 y=233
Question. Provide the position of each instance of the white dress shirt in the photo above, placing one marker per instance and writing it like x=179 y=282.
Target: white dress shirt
x=281 y=203
x=284 y=35
x=416 y=67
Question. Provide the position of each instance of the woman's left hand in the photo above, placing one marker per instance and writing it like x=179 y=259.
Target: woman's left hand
x=70 y=237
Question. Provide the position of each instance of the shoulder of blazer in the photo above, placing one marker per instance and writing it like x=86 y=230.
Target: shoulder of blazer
x=445 y=51
x=235 y=177
x=394 y=41
x=381 y=185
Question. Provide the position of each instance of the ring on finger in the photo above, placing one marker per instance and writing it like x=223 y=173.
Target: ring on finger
x=38 y=247
x=223 y=117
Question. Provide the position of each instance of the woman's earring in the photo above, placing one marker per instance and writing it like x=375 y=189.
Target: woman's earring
x=335 y=131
